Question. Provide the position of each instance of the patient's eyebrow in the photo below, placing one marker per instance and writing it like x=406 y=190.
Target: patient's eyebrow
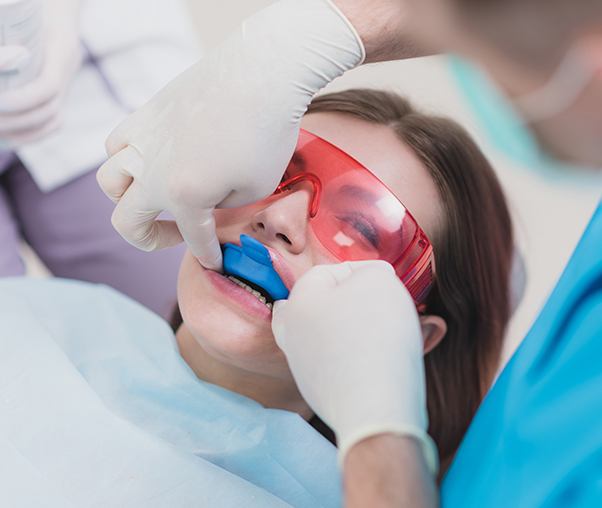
x=359 y=193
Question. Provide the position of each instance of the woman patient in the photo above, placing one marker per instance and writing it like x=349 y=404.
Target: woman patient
x=232 y=419
x=443 y=179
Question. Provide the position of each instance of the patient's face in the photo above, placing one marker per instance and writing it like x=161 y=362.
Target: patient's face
x=231 y=324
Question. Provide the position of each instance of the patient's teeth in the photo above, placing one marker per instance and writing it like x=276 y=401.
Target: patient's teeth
x=249 y=289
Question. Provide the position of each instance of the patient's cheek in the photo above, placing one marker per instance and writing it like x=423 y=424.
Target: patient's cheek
x=233 y=221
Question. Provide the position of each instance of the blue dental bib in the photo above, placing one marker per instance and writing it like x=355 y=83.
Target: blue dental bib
x=251 y=261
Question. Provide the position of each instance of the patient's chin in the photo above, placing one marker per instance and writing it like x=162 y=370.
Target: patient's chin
x=239 y=345
x=232 y=339
x=258 y=355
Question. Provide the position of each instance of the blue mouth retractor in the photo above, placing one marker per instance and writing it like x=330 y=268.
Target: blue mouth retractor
x=252 y=262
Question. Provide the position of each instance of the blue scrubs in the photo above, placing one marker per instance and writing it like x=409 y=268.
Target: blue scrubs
x=536 y=441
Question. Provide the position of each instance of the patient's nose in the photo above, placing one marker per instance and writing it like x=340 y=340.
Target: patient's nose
x=283 y=223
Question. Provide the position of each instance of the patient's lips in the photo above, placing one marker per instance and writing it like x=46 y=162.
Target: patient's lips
x=251 y=262
x=241 y=297
x=240 y=259
x=281 y=268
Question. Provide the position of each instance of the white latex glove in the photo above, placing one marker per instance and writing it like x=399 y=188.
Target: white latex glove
x=222 y=133
x=32 y=110
x=13 y=58
x=353 y=341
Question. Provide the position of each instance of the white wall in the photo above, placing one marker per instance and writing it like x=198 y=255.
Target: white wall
x=549 y=218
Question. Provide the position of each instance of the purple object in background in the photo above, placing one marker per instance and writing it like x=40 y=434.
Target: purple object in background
x=70 y=230
x=6 y=159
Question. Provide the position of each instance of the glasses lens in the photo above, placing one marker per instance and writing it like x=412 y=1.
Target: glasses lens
x=353 y=214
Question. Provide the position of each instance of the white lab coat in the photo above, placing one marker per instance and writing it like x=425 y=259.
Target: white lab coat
x=139 y=46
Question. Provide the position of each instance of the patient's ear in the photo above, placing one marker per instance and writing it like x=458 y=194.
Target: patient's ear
x=434 y=329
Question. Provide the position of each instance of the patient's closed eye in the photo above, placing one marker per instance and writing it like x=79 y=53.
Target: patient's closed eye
x=362 y=226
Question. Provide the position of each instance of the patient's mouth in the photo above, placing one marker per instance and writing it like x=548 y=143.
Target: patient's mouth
x=250 y=266
x=242 y=297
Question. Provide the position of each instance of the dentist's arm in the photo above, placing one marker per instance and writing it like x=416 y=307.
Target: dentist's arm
x=353 y=341
x=387 y=471
x=384 y=27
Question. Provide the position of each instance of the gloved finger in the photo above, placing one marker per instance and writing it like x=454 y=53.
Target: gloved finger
x=370 y=264
x=121 y=135
x=278 y=323
x=115 y=142
x=30 y=96
x=323 y=277
x=13 y=58
x=137 y=223
x=17 y=139
x=197 y=227
x=117 y=173
x=343 y=272
x=166 y=234
x=51 y=82
x=31 y=120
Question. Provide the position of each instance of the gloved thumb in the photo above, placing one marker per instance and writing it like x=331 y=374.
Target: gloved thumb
x=343 y=271
x=13 y=58
x=197 y=226
x=323 y=277
x=278 y=319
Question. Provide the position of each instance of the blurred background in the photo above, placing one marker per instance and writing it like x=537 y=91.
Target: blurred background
x=549 y=217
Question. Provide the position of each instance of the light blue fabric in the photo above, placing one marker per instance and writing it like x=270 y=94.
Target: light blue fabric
x=97 y=408
x=507 y=131
x=536 y=441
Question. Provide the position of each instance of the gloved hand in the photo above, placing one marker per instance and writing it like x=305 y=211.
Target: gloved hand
x=353 y=341
x=13 y=58
x=222 y=133
x=31 y=111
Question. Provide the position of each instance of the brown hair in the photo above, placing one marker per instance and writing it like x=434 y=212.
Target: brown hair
x=473 y=255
